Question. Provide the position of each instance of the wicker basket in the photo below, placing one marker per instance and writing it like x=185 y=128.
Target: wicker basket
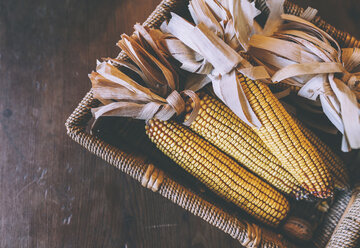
x=341 y=225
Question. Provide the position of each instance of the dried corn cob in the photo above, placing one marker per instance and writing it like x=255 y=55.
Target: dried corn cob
x=335 y=164
x=286 y=141
x=218 y=171
x=217 y=124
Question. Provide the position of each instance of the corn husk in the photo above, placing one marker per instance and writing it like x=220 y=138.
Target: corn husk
x=148 y=88
x=288 y=48
x=315 y=62
x=212 y=46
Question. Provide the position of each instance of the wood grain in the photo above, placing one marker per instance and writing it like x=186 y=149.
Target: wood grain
x=53 y=193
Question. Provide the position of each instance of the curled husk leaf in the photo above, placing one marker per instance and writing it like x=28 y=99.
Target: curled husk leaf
x=287 y=48
x=145 y=86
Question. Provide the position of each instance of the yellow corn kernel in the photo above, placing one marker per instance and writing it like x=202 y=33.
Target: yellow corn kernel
x=231 y=135
x=286 y=141
x=219 y=172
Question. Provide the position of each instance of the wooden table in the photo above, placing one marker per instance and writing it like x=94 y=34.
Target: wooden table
x=53 y=193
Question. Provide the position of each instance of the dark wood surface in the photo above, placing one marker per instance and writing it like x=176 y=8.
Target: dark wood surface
x=53 y=193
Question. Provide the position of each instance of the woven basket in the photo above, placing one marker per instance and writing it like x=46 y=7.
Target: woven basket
x=341 y=225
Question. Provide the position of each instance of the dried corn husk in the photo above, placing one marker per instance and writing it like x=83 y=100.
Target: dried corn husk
x=212 y=47
x=315 y=62
x=290 y=48
x=154 y=94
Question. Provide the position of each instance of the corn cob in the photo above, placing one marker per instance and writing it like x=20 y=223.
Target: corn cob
x=286 y=141
x=217 y=124
x=218 y=171
x=333 y=162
